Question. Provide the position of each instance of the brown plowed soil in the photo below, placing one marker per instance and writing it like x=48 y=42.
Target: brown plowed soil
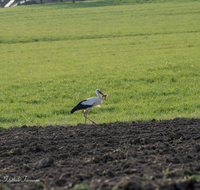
x=156 y=155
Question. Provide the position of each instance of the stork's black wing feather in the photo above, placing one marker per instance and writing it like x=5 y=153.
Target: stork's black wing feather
x=81 y=106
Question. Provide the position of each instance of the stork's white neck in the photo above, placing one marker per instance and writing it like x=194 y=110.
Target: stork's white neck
x=98 y=94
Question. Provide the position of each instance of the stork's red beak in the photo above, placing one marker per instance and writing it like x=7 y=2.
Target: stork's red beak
x=101 y=93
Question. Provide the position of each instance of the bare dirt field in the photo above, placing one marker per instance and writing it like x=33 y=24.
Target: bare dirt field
x=156 y=155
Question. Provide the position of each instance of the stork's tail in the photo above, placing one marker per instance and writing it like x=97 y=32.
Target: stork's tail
x=73 y=110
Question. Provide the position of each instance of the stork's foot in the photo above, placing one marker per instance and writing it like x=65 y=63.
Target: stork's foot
x=92 y=121
x=89 y=120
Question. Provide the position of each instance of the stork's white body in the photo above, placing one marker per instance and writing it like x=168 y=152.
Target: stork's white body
x=88 y=104
x=92 y=102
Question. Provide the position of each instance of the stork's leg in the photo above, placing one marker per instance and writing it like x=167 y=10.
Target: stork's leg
x=85 y=115
x=85 y=121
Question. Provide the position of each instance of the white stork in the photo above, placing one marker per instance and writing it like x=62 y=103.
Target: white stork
x=89 y=103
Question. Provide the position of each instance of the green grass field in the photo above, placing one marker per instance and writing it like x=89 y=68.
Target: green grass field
x=144 y=55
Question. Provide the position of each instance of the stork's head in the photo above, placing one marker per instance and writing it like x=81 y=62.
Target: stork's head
x=99 y=92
